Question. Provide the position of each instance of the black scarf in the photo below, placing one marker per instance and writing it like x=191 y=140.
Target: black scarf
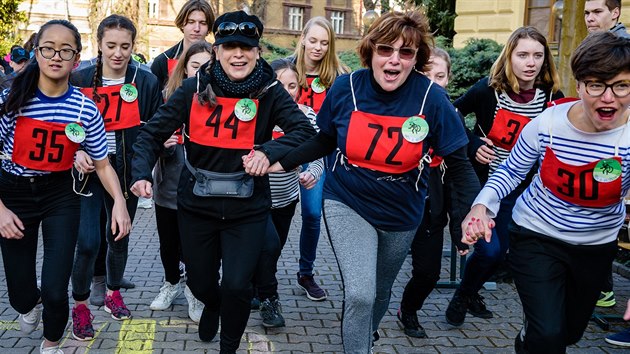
x=252 y=83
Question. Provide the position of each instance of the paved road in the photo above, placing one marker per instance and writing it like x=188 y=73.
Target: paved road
x=312 y=327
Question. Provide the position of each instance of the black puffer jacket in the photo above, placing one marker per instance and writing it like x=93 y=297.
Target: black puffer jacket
x=275 y=108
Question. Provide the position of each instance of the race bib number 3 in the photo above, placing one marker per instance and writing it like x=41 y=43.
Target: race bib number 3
x=117 y=113
x=377 y=142
x=42 y=146
x=219 y=127
x=506 y=128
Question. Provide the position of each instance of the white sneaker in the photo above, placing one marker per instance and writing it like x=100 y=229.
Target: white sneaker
x=195 y=307
x=145 y=203
x=30 y=321
x=168 y=293
x=50 y=350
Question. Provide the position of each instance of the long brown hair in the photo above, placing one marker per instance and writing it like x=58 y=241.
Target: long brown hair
x=330 y=66
x=502 y=77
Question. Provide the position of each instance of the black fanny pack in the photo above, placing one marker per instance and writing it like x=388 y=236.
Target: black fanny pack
x=219 y=184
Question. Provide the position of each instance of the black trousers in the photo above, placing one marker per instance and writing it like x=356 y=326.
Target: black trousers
x=265 y=281
x=49 y=201
x=237 y=243
x=558 y=284
x=170 y=242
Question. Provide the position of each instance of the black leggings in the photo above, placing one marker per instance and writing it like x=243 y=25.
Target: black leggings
x=170 y=243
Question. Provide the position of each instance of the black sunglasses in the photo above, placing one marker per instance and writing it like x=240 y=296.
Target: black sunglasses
x=247 y=29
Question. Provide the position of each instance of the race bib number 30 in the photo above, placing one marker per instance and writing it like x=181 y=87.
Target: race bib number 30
x=219 y=127
x=377 y=142
x=42 y=146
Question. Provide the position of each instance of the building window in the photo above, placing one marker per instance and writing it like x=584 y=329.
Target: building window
x=154 y=8
x=538 y=14
x=296 y=18
x=337 y=20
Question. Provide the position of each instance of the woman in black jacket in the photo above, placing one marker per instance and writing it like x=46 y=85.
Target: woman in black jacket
x=125 y=95
x=222 y=211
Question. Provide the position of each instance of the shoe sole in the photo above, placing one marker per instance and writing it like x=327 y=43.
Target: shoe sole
x=606 y=303
x=114 y=317
x=81 y=339
x=273 y=326
x=309 y=296
x=409 y=332
x=621 y=344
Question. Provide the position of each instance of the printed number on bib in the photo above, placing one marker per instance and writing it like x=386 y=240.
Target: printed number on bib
x=377 y=142
x=43 y=146
x=219 y=127
x=310 y=97
x=117 y=113
x=506 y=128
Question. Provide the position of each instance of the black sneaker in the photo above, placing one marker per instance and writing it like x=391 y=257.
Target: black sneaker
x=477 y=307
x=313 y=291
x=255 y=304
x=208 y=324
x=411 y=325
x=456 y=311
x=271 y=313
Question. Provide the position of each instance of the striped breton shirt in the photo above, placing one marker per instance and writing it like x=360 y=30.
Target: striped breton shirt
x=285 y=186
x=71 y=107
x=530 y=109
x=537 y=208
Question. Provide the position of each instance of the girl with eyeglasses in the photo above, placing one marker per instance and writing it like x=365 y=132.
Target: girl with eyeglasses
x=317 y=66
x=563 y=233
x=229 y=110
x=126 y=96
x=166 y=178
x=376 y=127
x=195 y=20
x=43 y=122
x=522 y=83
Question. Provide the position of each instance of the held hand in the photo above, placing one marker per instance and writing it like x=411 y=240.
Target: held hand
x=11 y=226
x=83 y=163
x=485 y=154
x=121 y=222
x=307 y=180
x=476 y=225
x=172 y=141
x=142 y=188
x=463 y=252
x=256 y=163
x=276 y=167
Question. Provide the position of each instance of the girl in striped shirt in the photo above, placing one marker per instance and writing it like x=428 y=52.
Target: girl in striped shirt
x=43 y=119
x=564 y=226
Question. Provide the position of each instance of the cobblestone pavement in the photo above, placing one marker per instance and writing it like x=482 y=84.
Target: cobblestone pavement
x=312 y=327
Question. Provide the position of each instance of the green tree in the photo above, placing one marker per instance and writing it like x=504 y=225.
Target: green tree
x=9 y=18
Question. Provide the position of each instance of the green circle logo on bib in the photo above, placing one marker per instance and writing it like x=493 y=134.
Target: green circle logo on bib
x=245 y=109
x=128 y=93
x=75 y=133
x=317 y=86
x=607 y=170
x=415 y=129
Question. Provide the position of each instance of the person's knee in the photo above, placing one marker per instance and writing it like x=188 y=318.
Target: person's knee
x=360 y=300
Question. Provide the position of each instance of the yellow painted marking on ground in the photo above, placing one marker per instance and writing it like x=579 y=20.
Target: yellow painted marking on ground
x=88 y=347
x=9 y=325
x=136 y=337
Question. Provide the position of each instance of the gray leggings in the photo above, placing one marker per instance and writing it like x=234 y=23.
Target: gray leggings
x=369 y=260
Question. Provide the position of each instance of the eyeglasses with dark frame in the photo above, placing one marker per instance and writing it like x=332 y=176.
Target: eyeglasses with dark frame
x=65 y=54
x=597 y=88
x=385 y=50
x=248 y=29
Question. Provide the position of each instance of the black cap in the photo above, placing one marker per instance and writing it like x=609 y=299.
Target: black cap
x=237 y=17
x=19 y=54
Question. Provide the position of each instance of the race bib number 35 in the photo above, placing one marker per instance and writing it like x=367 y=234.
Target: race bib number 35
x=42 y=146
x=377 y=142
x=219 y=127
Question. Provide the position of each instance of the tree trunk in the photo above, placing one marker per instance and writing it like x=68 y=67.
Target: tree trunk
x=573 y=32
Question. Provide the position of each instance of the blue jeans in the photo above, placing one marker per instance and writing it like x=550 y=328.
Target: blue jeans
x=88 y=243
x=488 y=255
x=311 y=204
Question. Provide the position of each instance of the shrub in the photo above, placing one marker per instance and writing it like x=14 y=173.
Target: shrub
x=471 y=63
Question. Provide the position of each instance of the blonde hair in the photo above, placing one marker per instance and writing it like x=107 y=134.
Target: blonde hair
x=179 y=72
x=502 y=77
x=330 y=66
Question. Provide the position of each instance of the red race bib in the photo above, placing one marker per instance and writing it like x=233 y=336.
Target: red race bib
x=171 y=63
x=117 y=113
x=219 y=127
x=561 y=101
x=506 y=128
x=376 y=142
x=576 y=184
x=42 y=146
x=180 y=137
x=310 y=98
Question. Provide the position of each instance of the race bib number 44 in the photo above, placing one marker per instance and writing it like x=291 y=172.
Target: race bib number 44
x=220 y=127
